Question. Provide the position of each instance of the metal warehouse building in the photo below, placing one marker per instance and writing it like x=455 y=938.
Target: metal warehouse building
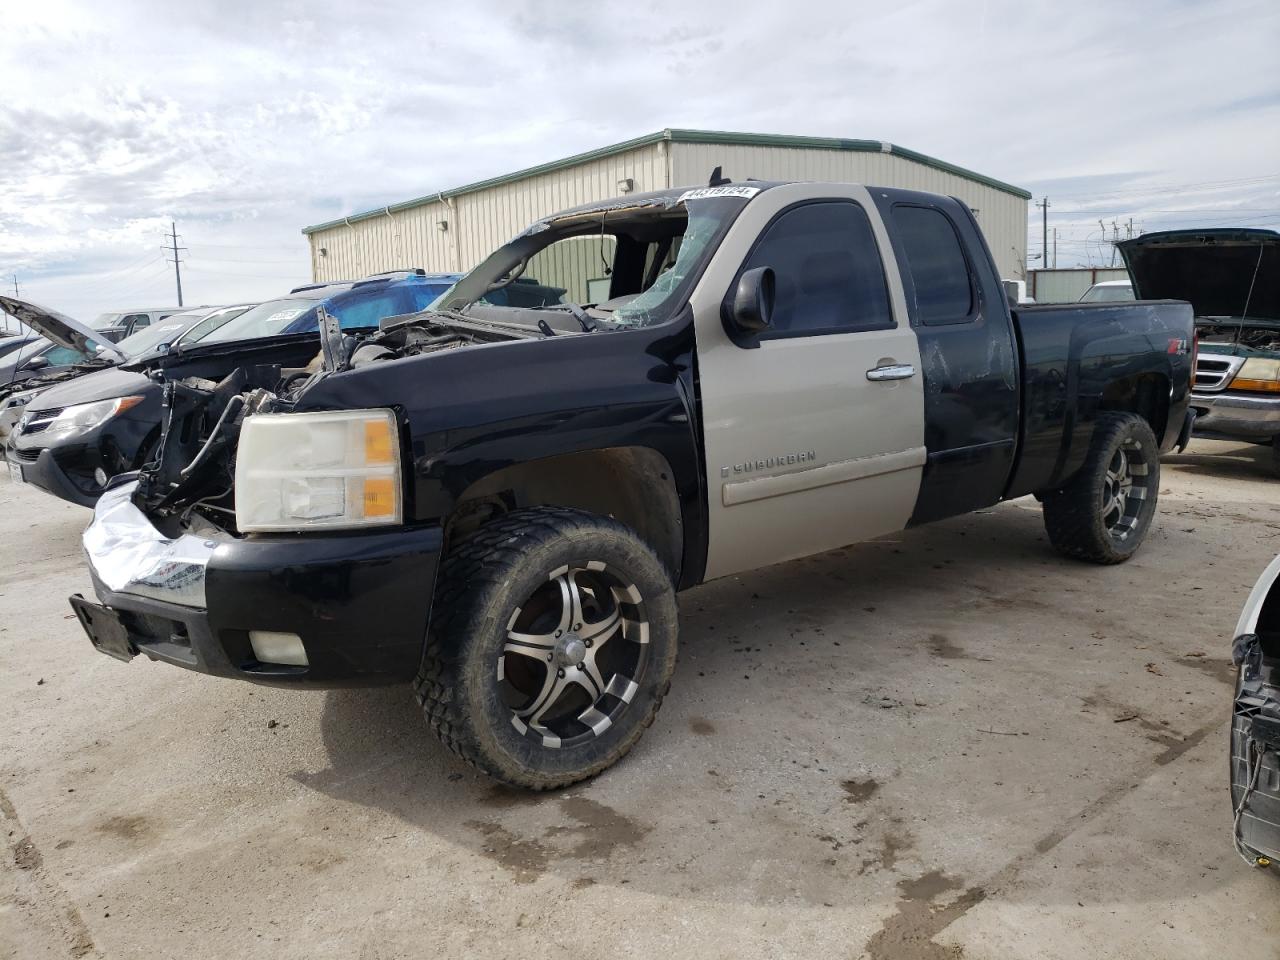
x=452 y=230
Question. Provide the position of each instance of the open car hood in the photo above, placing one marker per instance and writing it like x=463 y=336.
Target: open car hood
x=1223 y=273
x=58 y=327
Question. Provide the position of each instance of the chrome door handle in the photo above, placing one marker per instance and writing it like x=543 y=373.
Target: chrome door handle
x=894 y=371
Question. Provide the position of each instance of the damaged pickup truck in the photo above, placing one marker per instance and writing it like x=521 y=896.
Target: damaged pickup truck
x=499 y=502
x=1231 y=277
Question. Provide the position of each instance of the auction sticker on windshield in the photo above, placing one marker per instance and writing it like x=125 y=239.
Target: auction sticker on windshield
x=703 y=193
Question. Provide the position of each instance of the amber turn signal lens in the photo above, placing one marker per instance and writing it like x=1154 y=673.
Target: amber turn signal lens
x=379 y=497
x=377 y=442
x=1259 y=386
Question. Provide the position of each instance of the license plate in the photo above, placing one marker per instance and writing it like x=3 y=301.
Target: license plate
x=106 y=630
x=15 y=474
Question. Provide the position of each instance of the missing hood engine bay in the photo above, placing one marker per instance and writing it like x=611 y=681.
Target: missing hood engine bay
x=194 y=469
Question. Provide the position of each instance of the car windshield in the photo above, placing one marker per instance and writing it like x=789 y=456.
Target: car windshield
x=264 y=320
x=1101 y=294
x=622 y=266
x=147 y=339
x=364 y=306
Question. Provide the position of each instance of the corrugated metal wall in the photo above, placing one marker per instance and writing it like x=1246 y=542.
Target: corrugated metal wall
x=1069 y=285
x=478 y=222
x=1003 y=217
x=481 y=221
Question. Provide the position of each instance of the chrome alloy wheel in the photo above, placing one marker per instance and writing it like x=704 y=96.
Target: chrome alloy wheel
x=575 y=654
x=1124 y=489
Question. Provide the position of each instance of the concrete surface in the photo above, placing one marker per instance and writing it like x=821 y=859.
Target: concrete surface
x=946 y=743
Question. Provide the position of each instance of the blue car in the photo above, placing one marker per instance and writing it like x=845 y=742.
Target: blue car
x=357 y=305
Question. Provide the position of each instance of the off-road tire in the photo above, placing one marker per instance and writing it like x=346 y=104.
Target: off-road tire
x=482 y=583
x=1074 y=515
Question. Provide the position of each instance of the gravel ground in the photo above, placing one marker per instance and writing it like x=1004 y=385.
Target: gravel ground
x=947 y=743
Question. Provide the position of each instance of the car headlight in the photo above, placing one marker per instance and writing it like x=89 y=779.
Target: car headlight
x=1258 y=373
x=313 y=471
x=83 y=417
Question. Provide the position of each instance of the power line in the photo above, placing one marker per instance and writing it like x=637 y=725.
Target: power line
x=198 y=268
x=246 y=246
x=1160 y=188
x=203 y=259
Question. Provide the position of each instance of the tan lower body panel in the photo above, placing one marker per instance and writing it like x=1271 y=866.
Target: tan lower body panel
x=773 y=529
x=759 y=488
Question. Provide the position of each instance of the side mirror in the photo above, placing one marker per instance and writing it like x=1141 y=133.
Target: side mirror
x=163 y=348
x=36 y=363
x=752 y=306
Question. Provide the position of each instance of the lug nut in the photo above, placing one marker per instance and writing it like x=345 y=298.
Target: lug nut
x=550 y=657
x=560 y=673
x=581 y=667
x=586 y=643
x=558 y=632
x=578 y=627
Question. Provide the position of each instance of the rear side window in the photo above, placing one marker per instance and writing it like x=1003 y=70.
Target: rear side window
x=828 y=271
x=939 y=270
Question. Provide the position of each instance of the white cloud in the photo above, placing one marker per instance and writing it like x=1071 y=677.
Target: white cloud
x=244 y=121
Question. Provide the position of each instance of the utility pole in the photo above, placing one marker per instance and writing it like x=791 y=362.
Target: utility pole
x=177 y=273
x=1055 y=248
x=1044 y=231
x=15 y=286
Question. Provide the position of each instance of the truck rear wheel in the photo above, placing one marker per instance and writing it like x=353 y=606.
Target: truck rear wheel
x=1104 y=513
x=551 y=646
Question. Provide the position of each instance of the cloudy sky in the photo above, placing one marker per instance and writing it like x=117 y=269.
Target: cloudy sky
x=245 y=120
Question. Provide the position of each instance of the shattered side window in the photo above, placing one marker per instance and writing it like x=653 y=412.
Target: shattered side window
x=651 y=306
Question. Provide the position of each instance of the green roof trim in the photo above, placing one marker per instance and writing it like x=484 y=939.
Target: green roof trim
x=681 y=136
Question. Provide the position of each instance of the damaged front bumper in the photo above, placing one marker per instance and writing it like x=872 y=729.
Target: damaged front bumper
x=357 y=603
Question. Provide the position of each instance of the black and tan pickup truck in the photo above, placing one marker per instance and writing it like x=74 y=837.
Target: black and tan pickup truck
x=498 y=501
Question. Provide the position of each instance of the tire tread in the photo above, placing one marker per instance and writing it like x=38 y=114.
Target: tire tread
x=473 y=569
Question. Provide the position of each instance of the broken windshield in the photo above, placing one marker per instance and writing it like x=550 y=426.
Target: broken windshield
x=621 y=266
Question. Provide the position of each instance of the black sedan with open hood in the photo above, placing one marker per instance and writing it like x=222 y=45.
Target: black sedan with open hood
x=1232 y=279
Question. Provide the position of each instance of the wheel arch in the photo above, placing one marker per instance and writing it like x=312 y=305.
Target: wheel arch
x=1146 y=394
x=633 y=484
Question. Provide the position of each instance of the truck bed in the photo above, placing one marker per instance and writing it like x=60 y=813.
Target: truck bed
x=1078 y=358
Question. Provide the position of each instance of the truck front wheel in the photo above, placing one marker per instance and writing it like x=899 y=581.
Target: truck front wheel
x=551 y=646
x=1104 y=513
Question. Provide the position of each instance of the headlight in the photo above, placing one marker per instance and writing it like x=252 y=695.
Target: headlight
x=85 y=416
x=1258 y=373
x=313 y=471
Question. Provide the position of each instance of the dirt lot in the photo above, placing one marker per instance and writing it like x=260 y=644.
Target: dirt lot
x=950 y=743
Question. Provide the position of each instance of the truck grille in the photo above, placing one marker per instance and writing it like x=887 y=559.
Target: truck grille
x=1214 y=371
x=28 y=456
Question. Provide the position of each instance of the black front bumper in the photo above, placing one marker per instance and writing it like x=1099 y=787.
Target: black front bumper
x=359 y=602
x=47 y=473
